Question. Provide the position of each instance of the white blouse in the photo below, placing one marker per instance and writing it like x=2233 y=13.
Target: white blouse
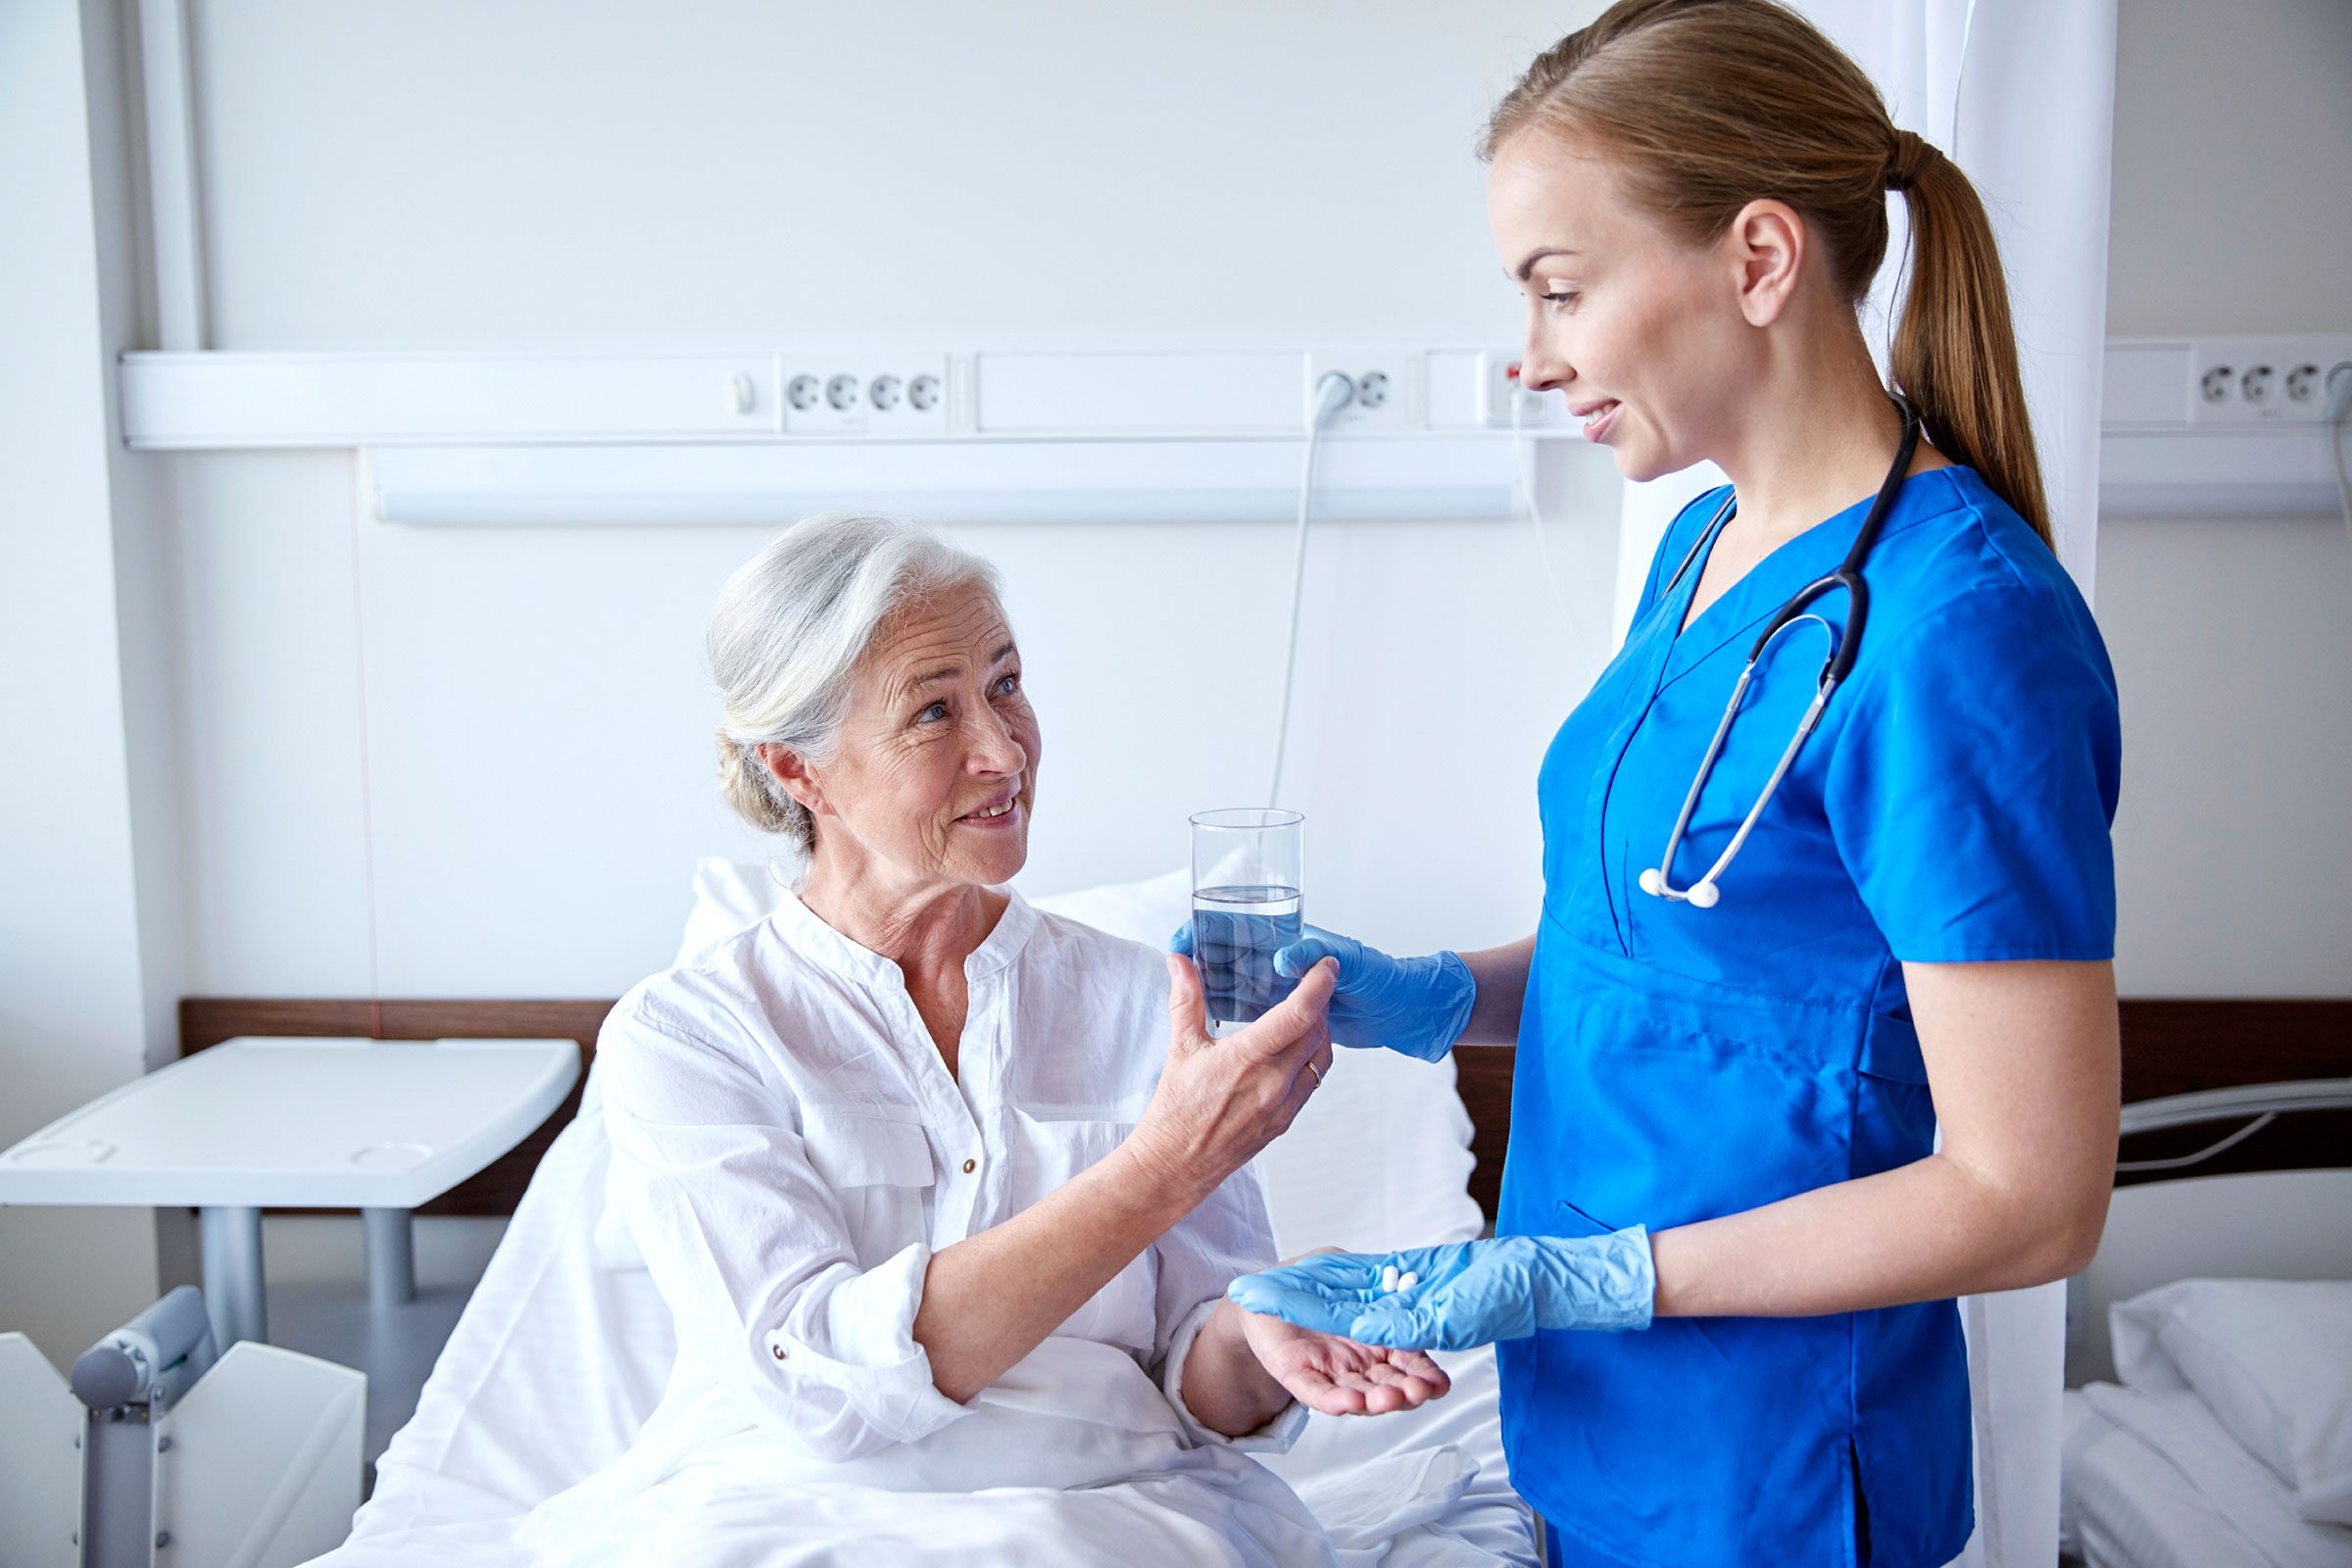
x=789 y=1151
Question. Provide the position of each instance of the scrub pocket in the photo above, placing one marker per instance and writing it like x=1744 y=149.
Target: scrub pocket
x=879 y=1170
x=1046 y=1155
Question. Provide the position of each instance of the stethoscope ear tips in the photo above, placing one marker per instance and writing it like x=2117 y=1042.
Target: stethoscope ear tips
x=1702 y=895
x=1651 y=883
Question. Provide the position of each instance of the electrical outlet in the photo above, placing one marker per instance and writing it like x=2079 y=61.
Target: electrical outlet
x=821 y=396
x=1498 y=382
x=906 y=394
x=1388 y=387
x=871 y=392
x=2264 y=381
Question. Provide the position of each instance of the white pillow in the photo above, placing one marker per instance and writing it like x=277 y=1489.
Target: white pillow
x=2270 y=1358
x=1379 y=1160
x=728 y=895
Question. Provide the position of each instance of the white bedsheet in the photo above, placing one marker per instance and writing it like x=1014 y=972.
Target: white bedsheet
x=561 y=1357
x=2152 y=1480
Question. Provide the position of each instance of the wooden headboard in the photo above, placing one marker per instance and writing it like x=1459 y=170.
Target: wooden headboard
x=2169 y=1046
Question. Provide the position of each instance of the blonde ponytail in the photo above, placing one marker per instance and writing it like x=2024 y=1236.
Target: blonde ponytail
x=1955 y=349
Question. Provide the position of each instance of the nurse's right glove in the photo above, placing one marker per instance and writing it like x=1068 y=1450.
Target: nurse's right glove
x=1418 y=1006
x=1469 y=1293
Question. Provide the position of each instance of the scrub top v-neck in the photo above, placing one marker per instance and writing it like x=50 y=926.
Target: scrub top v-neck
x=1677 y=1064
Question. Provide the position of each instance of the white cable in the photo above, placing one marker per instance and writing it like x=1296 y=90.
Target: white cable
x=1967 y=27
x=1525 y=452
x=1333 y=392
x=2339 y=405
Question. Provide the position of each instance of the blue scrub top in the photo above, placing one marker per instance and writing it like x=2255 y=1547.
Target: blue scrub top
x=1677 y=1064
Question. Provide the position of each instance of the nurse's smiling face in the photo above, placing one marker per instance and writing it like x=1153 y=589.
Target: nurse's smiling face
x=935 y=772
x=1649 y=339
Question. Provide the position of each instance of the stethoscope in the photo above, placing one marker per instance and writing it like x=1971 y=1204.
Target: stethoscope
x=1703 y=893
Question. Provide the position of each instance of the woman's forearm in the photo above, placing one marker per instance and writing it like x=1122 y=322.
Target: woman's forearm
x=2023 y=1062
x=990 y=1298
x=1925 y=1230
x=1501 y=976
x=1224 y=1385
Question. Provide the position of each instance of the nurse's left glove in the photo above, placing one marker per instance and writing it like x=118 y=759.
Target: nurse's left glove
x=1418 y=1006
x=1469 y=1293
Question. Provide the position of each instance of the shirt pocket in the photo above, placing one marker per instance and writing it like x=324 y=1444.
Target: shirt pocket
x=1047 y=1154
x=879 y=1170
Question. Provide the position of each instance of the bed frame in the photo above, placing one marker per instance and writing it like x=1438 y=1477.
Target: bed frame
x=2171 y=1046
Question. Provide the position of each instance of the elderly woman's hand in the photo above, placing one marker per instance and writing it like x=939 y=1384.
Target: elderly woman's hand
x=1340 y=1377
x=1219 y=1102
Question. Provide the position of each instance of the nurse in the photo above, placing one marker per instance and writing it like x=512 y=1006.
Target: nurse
x=1724 y=1127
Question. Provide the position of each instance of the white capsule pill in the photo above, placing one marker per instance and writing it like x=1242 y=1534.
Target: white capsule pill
x=1407 y=1280
x=1388 y=1278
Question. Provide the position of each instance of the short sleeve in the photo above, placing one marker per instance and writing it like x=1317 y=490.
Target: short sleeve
x=1974 y=781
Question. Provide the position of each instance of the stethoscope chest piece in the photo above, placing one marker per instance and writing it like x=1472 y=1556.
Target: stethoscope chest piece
x=1699 y=894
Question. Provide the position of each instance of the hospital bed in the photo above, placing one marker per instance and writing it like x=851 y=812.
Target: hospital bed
x=565 y=1344
x=158 y=1443
x=2211 y=1339
x=561 y=1353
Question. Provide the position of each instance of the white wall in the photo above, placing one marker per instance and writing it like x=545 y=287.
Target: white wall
x=543 y=176
x=88 y=859
x=2233 y=638
x=519 y=177
x=511 y=178
x=538 y=718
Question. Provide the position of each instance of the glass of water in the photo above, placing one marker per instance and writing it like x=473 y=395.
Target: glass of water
x=1247 y=865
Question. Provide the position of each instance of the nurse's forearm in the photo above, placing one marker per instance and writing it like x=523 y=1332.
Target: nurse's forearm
x=1501 y=976
x=1920 y=1233
x=2023 y=1062
x=993 y=1297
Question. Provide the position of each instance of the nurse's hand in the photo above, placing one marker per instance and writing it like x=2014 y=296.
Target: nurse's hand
x=1340 y=1377
x=1418 y=1006
x=1220 y=1102
x=1472 y=1292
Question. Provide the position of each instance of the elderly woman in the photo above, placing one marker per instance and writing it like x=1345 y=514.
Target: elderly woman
x=933 y=1206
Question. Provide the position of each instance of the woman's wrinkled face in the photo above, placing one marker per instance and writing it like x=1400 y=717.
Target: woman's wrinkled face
x=1644 y=334
x=936 y=770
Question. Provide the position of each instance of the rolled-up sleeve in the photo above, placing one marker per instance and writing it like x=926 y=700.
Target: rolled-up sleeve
x=749 y=1246
x=1228 y=1234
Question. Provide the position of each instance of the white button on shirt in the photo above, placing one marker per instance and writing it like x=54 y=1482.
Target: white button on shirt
x=789 y=1151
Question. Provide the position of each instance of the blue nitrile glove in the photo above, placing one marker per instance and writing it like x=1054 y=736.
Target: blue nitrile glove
x=1418 y=1006
x=1469 y=1293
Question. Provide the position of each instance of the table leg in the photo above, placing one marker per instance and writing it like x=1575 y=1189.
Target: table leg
x=232 y=1274
x=391 y=1257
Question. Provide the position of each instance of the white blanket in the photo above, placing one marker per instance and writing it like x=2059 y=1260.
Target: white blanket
x=1071 y=1414
x=520 y=1451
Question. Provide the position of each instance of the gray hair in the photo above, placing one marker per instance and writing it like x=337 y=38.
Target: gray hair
x=787 y=634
